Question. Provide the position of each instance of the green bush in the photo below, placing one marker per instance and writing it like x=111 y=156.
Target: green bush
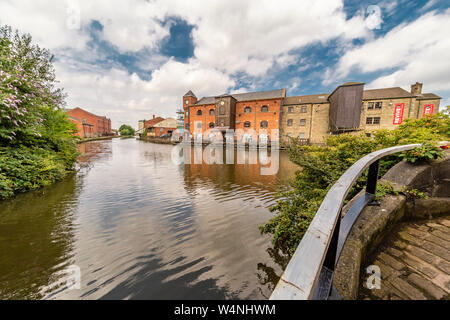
x=23 y=169
x=321 y=166
x=126 y=130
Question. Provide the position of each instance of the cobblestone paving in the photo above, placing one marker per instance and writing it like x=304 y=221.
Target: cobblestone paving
x=414 y=262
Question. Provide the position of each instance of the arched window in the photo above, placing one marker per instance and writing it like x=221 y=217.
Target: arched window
x=211 y=124
x=222 y=110
x=247 y=124
x=211 y=112
x=264 y=124
x=247 y=110
x=199 y=112
x=264 y=109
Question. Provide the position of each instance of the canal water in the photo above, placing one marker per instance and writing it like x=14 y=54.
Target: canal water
x=132 y=224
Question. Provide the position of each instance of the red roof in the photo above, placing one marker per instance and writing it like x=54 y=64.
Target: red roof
x=152 y=122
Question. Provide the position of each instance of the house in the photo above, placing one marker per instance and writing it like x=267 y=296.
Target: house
x=89 y=125
x=164 y=128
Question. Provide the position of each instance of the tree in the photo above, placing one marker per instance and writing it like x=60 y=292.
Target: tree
x=323 y=165
x=126 y=130
x=37 y=145
x=27 y=89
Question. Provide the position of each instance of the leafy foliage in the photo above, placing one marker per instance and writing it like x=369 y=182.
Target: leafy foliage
x=385 y=188
x=23 y=169
x=321 y=166
x=126 y=130
x=35 y=133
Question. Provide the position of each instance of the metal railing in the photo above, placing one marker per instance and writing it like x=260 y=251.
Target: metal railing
x=309 y=274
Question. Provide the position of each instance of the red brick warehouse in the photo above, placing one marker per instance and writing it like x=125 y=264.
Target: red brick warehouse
x=245 y=112
x=89 y=125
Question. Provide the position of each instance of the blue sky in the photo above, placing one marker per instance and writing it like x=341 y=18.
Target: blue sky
x=132 y=59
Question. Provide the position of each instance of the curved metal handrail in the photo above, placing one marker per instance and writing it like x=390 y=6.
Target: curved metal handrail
x=309 y=273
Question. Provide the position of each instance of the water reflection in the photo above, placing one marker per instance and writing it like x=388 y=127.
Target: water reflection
x=141 y=227
x=36 y=239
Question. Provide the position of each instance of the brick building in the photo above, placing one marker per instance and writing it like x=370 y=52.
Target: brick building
x=349 y=108
x=164 y=128
x=89 y=125
x=150 y=123
x=254 y=112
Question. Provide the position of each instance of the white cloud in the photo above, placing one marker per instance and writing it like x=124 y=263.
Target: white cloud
x=126 y=98
x=230 y=37
x=130 y=25
x=250 y=36
x=420 y=51
x=47 y=21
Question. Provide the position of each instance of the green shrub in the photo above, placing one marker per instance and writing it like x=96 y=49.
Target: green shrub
x=321 y=166
x=126 y=130
x=37 y=145
x=24 y=169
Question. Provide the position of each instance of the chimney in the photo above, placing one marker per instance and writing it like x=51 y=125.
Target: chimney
x=416 y=88
x=153 y=116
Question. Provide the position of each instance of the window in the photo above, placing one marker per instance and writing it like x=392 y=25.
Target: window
x=211 y=112
x=289 y=122
x=376 y=120
x=199 y=112
x=247 y=124
x=199 y=125
x=301 y=135
x=378 y=105
x=247 y=110
x=264 y=124
x=291 y=110
x=370 y=105
x=211 y=124
x=303 y=109
x=303 y=122
x=161 y=129
x=264 y=109
x=369 y=120
x=187 y=114
x=222 y=110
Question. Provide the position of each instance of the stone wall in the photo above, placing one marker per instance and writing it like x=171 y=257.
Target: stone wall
x=375 y=222
x=317 y=120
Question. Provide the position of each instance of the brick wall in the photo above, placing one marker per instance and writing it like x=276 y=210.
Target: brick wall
x=255 y=117
x=163 y=130
x=88 y=124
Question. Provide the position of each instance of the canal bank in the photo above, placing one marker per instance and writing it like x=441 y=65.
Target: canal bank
x=141 y=227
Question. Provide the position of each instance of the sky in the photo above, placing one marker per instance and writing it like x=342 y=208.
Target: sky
x=132 y=59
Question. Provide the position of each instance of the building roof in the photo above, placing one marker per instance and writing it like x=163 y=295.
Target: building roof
x=426 y=96
x=347 y=84
x=312 y=98
x=374 y=94
x=249 y=96
x=386 y=93
x=190 y=94
x=152 y=122
x=68 y=110
x=350 y=83
x=167 y=123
